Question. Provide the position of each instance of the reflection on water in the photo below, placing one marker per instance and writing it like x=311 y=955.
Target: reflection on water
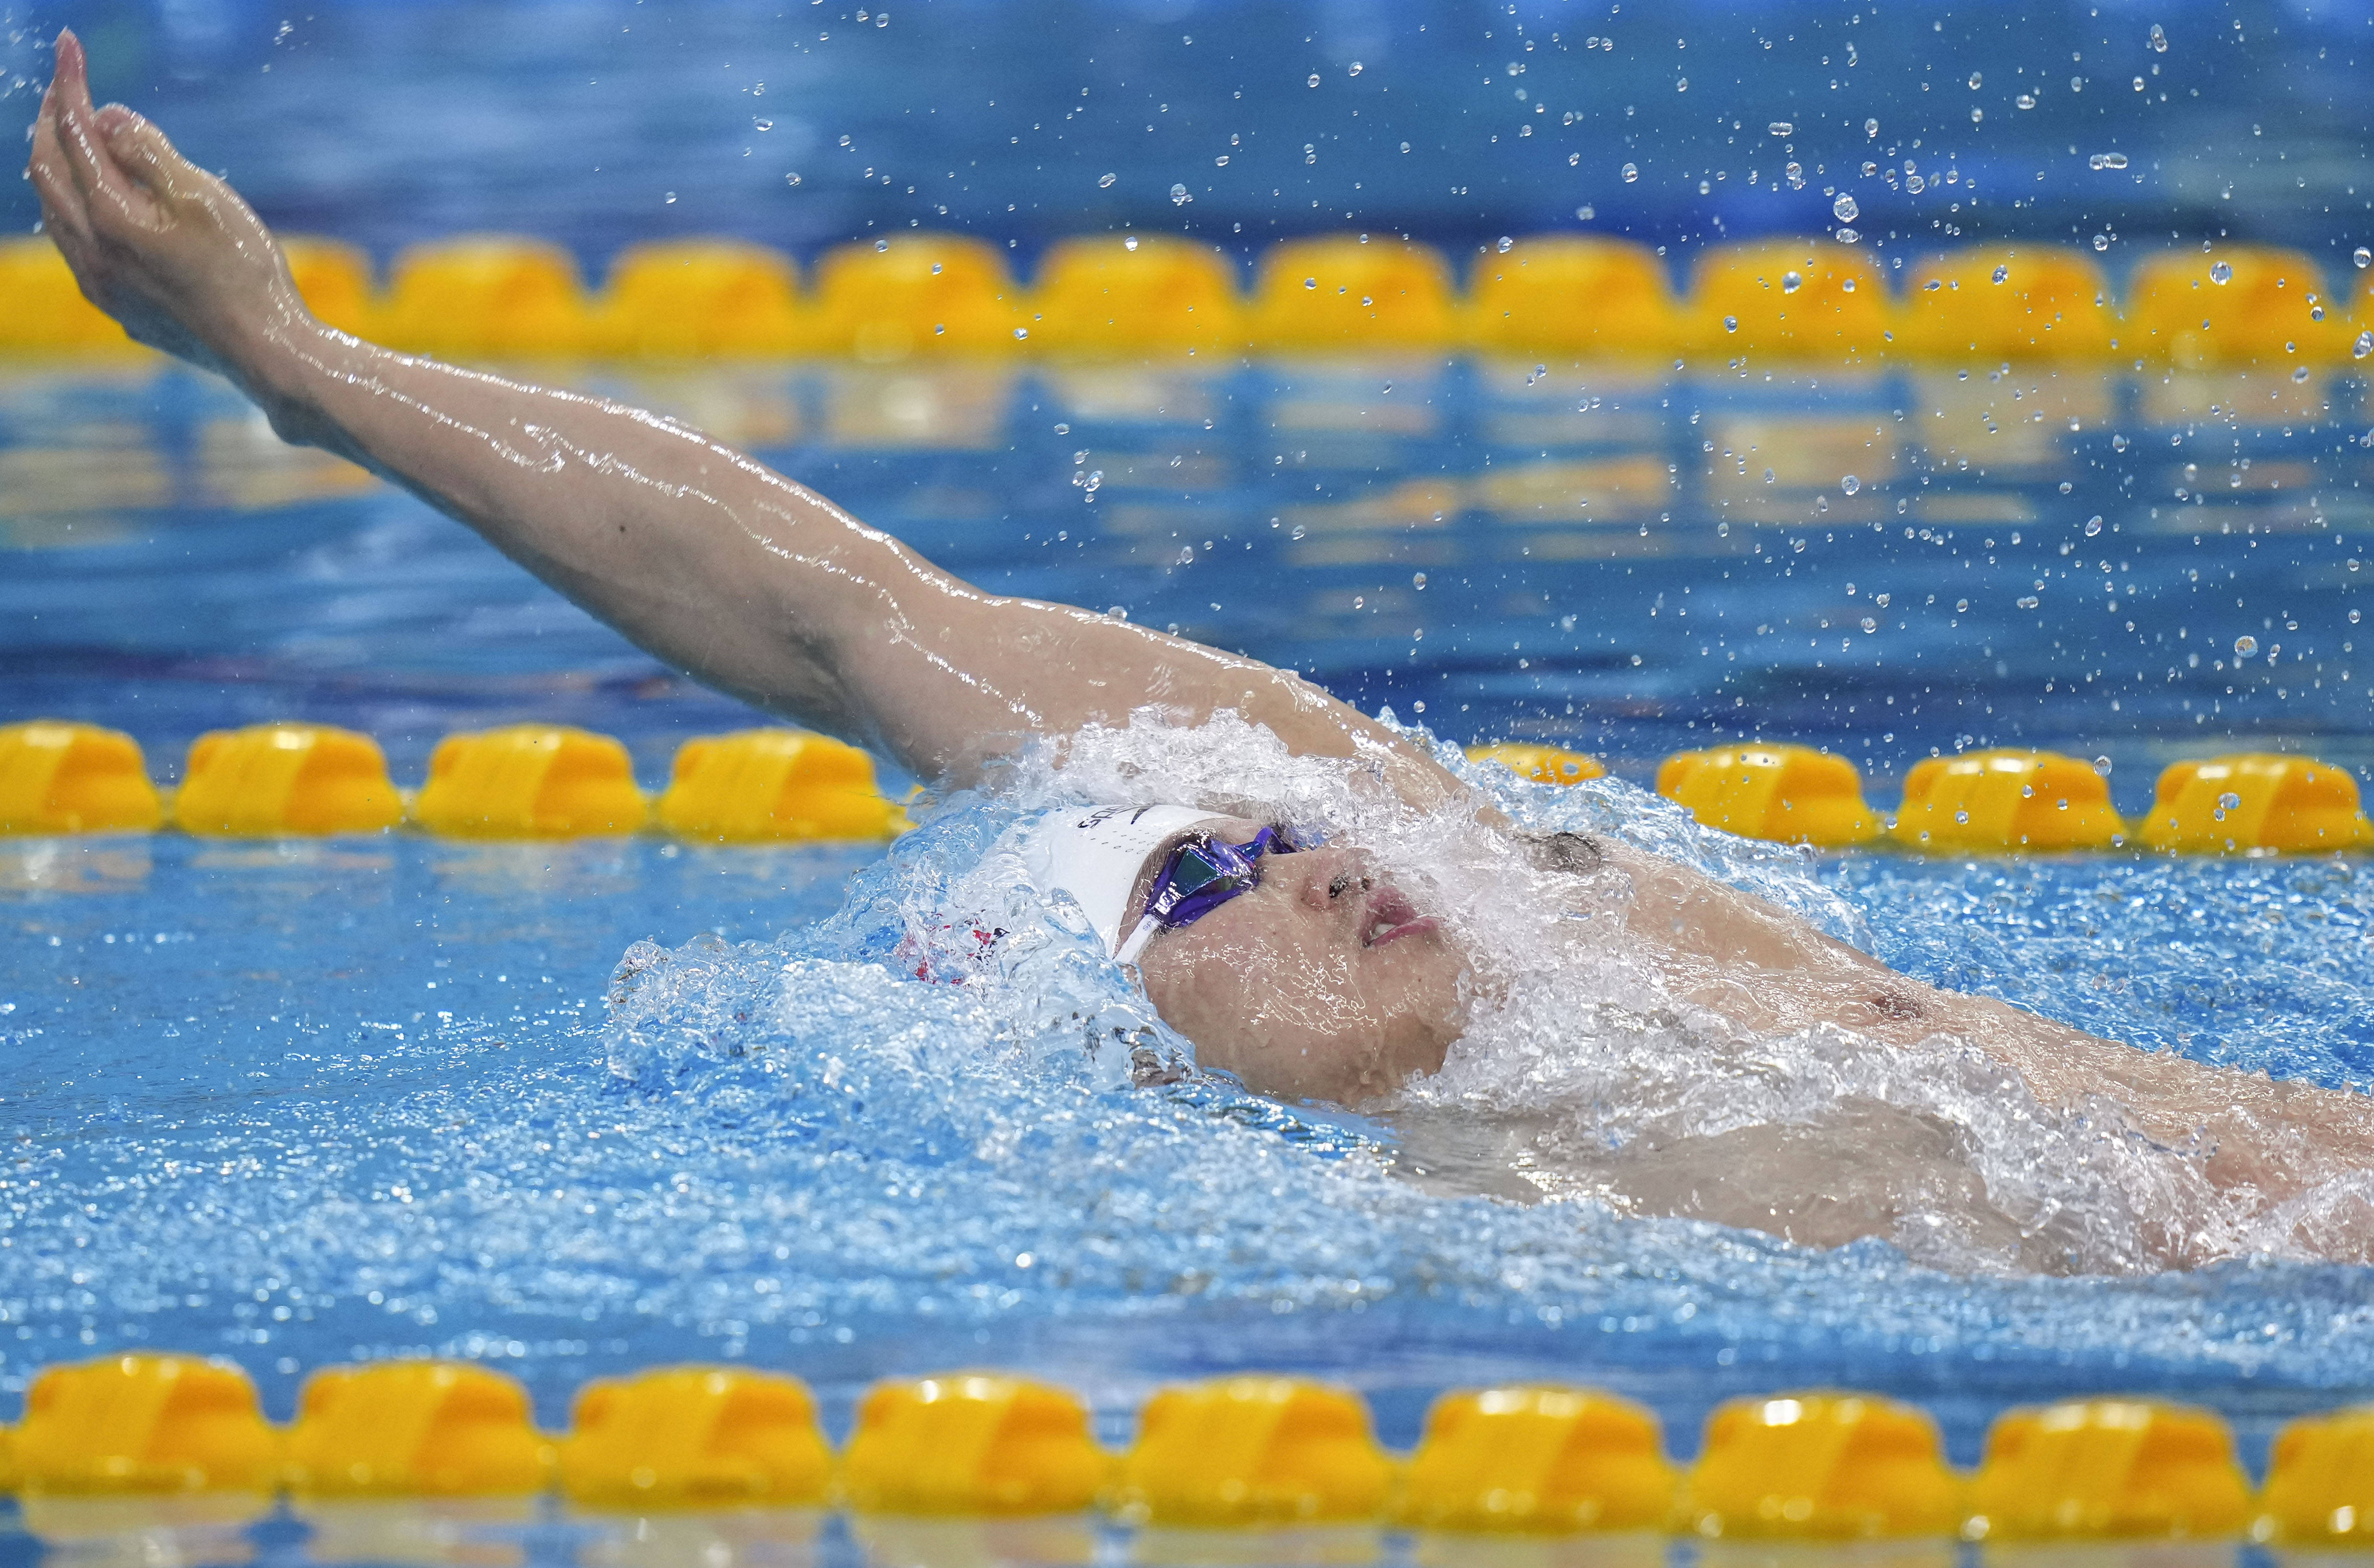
x=1889 y=562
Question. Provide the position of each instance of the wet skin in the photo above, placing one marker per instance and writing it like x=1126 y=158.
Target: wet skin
x=1325 y=982
x=765 y=589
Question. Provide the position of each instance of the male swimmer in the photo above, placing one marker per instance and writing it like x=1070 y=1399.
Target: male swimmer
x=1302 y=968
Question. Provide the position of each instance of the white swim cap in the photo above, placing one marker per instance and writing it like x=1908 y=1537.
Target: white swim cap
x=1094 y=853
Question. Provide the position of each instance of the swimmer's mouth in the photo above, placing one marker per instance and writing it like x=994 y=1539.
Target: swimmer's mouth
x=1391 y=916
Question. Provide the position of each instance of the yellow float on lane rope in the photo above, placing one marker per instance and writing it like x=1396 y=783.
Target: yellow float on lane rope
x=1254 y=1451
x=757 y=786
x=696 y=1437
x=1543 y=765
x=2108 y=1469
x=972 y=1442
x=144 y=1425
x=416 y=1429
x=2320 y=1487
x=1820 y=1467
x=1537 y=1459
x=2256 y=801
x=530 y=781
x=2006 y=800
x=1787 y=794
x=57 y=776
x=273 y=780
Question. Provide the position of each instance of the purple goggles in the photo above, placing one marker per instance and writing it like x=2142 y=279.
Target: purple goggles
x=1199 y=875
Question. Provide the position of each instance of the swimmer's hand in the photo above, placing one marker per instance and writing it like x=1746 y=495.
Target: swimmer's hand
x=160 y=244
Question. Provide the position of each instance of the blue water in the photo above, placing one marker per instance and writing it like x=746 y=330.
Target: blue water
x=304 y=1103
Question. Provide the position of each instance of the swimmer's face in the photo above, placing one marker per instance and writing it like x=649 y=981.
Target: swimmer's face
x=1325 y=982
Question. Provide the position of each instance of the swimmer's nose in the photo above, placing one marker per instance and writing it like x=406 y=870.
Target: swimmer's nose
x=1331 y=877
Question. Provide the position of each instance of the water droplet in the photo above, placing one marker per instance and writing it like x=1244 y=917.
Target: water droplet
x=1313 y=81
x=1731 y=323
x=1129 y=243
x=2363 y=346
x=1178 y=196
x=2093 y=526
x=1782 y=128
x=1105 y=181
x=2001 y=271
x=2221 y=272
x=1791 y=282
x=2245 y=646
x=1845 y=208
x=1118 y=612
x=1850 y=484
x=1418 y=579
x=1631 y=172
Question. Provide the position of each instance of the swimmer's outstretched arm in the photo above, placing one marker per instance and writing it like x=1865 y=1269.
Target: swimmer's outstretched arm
x=711 y=560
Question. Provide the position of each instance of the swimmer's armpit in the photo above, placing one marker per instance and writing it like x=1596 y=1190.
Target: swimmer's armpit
x=707 y=558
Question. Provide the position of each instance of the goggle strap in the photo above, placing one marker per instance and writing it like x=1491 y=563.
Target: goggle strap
x=1147 y=926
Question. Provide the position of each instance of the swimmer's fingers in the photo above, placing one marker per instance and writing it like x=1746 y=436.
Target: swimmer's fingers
x=64 y=212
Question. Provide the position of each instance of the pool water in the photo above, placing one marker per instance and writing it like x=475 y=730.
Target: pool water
x=584 y=1108
x=577 y=1109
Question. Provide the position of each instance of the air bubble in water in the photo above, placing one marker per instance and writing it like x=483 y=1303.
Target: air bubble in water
x=1782 y=128
x=2363 y=346
x=2245 y=646
x=2299 y=372
x=882 y=244
x=1313 y=81
x=1870 y=128
x=1850 y=484
x=1021 y=332
x=1631 y=172
x=2158 y=38
x=2102 y=766
x=2221 y=272
x=2093 y=525
x=1790 y=283
x=1417 y=581
x=1974 y=81
x=1731 y=323
x=2363 y=257
x=1129 y=243
x=2101 y=241
x=1505 y=243
x=1845 y=208
x=1104 y=181
x=1178 y=196
x=2001 y=271
x=1355 y=70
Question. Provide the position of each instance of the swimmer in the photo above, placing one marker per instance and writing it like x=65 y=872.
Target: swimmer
x=1302 y=968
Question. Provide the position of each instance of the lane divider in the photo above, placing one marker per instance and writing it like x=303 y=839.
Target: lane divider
x=918 y=294
x=539 y=781
x=1232 y=1454
x=524 y=782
